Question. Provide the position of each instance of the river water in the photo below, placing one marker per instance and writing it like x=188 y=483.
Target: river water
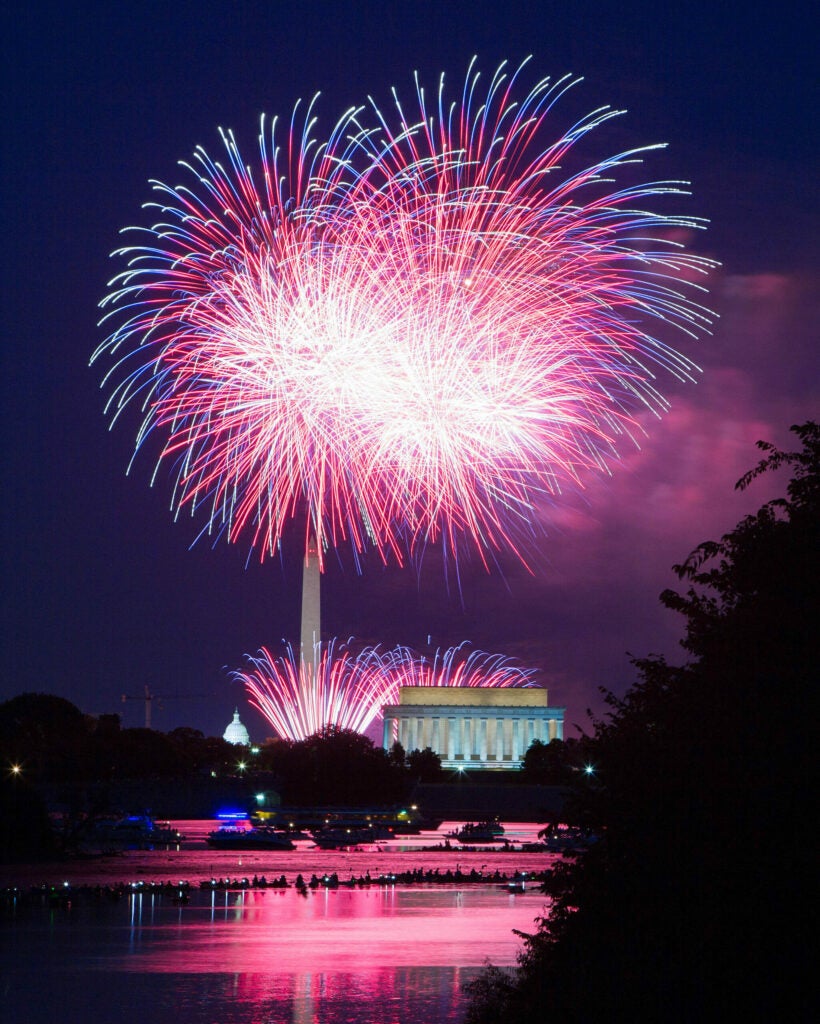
x=378 y=953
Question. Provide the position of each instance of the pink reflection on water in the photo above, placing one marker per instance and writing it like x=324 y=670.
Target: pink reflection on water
x=392 y=996
x=355 y=931
x=194 y=861
x=384 y=954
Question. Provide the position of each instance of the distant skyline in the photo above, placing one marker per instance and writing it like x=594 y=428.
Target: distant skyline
x=101 y=594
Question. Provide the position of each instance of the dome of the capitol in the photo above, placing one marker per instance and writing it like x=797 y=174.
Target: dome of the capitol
x=236 y=731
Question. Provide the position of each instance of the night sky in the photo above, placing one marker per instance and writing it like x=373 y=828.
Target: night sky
x=102 y=592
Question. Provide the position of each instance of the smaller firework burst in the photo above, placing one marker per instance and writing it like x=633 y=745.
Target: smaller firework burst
x=456 y=666
x=299 y=696
x=342 y=688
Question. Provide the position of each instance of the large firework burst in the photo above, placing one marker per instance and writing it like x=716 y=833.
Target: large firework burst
x=412 y=332
x=347 y=689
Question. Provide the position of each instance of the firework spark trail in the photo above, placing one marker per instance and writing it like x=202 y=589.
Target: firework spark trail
x=455 y=666
x=346 y=689
x=349 y=689
x=414 y=332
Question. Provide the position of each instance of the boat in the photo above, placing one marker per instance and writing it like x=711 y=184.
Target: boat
x=293 y=833
x=233 y=837
x=337 y=838
x=479 y=832
x=134 y=830
x=397 y=820
x=568 y=839
x=516 y=885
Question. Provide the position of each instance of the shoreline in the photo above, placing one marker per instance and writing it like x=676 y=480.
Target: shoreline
x=193 y=867
x=181 y=891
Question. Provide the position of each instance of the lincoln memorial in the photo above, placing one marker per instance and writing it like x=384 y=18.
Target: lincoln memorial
x=472 y=726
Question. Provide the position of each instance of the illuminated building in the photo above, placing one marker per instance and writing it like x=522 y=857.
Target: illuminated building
x=472 y=726
x=236 y=732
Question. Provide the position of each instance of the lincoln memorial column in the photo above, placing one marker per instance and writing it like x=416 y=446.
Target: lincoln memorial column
x=482 y=739
x=451 y=739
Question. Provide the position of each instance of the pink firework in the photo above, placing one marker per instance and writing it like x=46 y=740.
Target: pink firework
x=413 y=333
x=299 y=697
x=456 y=666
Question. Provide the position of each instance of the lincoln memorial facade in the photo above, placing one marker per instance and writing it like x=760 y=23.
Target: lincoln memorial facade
x=472 y=726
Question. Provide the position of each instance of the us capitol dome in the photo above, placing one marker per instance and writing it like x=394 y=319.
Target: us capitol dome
x=236 y=732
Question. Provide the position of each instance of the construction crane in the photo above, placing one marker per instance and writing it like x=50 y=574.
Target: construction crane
x=150 y=697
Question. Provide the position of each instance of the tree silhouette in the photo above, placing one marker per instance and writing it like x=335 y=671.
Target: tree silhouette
x=334 y=766
x=695 y=903
x=46 y=734
x=424 y=765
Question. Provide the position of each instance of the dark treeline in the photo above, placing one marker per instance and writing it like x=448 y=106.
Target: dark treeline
x=340 y=766
x=55 y=757
x=44 y=738
x=696 y=904
x=51 y=740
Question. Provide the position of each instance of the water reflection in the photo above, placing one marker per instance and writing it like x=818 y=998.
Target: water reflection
x=243 y=957
x=338 y=930
x=387 y=996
